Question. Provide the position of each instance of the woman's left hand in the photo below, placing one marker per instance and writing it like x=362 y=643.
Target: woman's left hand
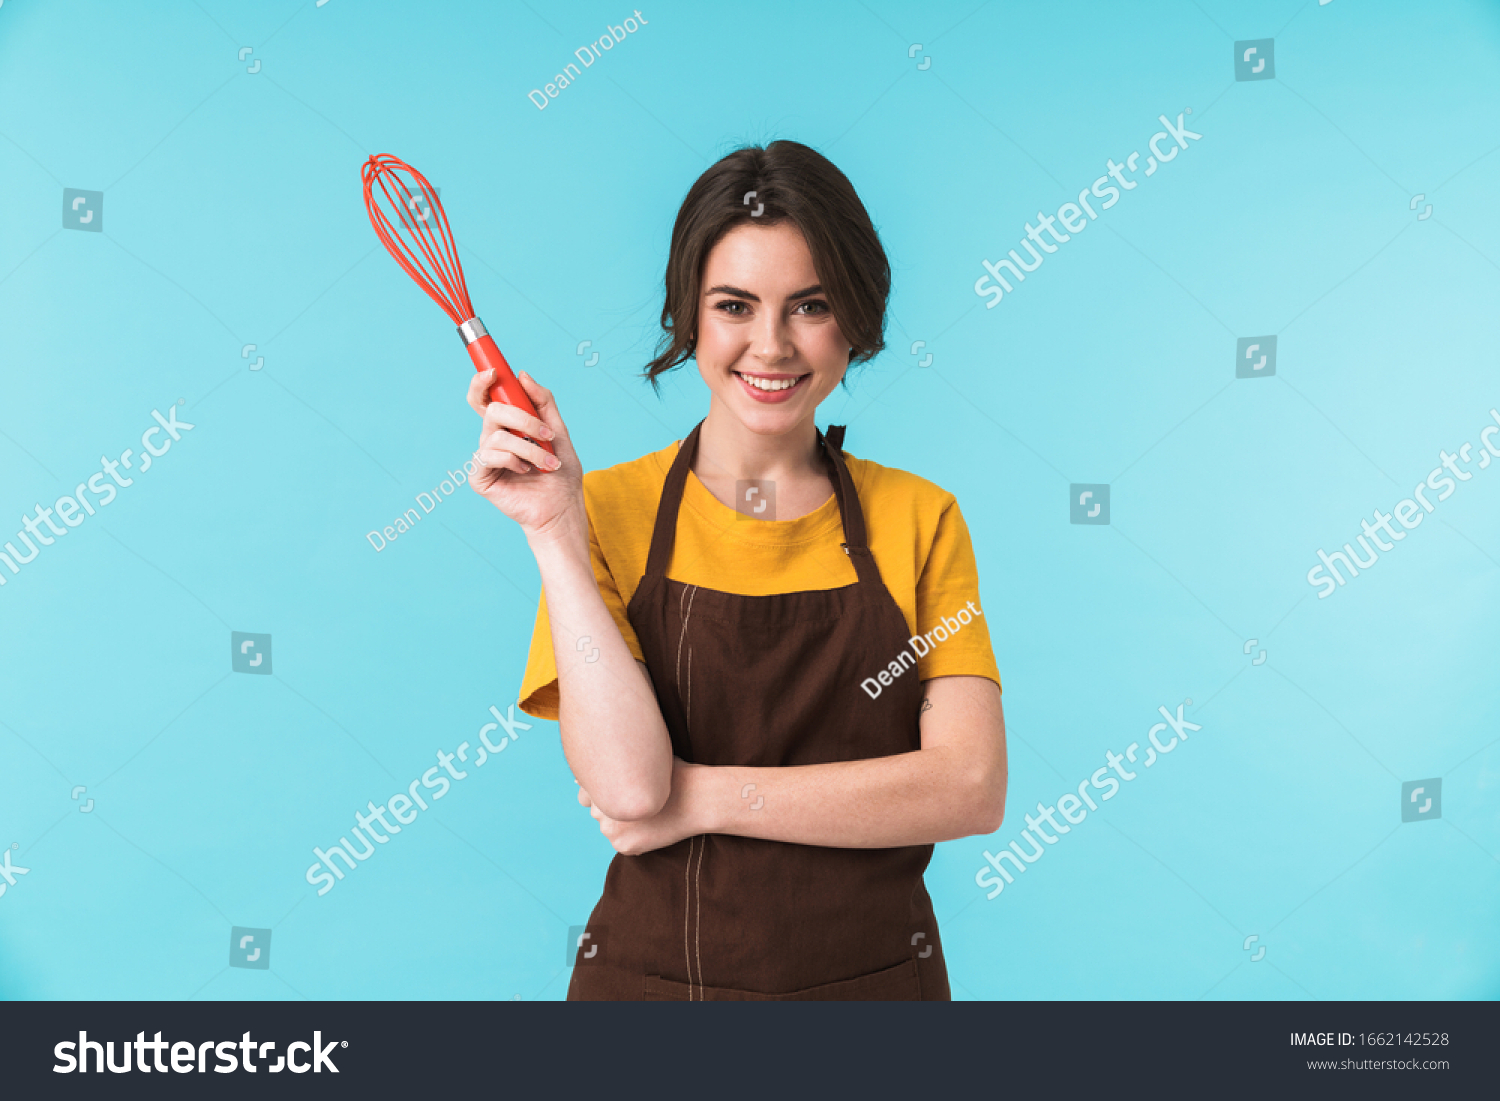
x=673 y=823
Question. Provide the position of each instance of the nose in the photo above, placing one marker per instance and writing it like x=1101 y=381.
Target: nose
x=772 y=343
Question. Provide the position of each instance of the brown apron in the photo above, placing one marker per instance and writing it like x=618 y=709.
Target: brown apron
x=768 y=681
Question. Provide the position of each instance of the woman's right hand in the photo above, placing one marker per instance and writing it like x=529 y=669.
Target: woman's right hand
x=535 y=489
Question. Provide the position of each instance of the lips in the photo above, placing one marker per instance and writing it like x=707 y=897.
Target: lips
x=770 y=388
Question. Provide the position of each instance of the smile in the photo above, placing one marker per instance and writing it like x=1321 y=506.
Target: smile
x=771 y=387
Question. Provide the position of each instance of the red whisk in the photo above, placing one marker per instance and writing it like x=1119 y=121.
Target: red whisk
x=420 y=241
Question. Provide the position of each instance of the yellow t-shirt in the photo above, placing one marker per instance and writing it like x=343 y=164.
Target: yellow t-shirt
x=915 y=531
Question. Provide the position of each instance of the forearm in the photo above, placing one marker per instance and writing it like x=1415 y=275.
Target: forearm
x=612 y=730
x=915 y=798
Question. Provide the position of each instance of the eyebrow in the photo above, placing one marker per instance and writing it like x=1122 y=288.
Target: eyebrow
x=724 y=288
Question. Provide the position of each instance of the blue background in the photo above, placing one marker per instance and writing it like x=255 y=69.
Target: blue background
x=232 y=215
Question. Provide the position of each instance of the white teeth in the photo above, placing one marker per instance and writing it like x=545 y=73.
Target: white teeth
x=769 y=384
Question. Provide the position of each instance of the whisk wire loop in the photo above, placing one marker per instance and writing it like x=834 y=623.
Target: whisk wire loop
x=426 y=251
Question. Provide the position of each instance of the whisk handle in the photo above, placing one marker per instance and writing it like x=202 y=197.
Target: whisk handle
x=486 y=354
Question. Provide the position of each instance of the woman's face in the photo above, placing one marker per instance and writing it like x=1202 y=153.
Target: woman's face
x=768 y=346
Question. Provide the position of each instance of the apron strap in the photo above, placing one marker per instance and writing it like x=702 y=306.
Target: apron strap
x=664 y=533
x=855 y=538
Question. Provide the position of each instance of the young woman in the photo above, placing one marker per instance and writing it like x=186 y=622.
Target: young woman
x=768 y=659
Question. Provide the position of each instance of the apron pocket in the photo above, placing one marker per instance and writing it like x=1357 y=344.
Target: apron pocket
x=899 y=984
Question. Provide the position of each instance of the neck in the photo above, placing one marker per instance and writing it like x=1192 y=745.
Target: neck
x=727 y=449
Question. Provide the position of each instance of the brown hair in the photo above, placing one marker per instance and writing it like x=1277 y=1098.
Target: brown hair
x=792 y=183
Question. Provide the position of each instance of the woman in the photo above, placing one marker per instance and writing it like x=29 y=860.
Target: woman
x=727 y=633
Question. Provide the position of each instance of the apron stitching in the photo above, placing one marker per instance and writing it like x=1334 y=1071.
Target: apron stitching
x=699 y=915
x=696 y=903
x=689 y=594
x=687 y=894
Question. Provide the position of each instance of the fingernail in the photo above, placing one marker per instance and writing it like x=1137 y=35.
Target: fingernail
x=547 y=433
x=553 y=462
